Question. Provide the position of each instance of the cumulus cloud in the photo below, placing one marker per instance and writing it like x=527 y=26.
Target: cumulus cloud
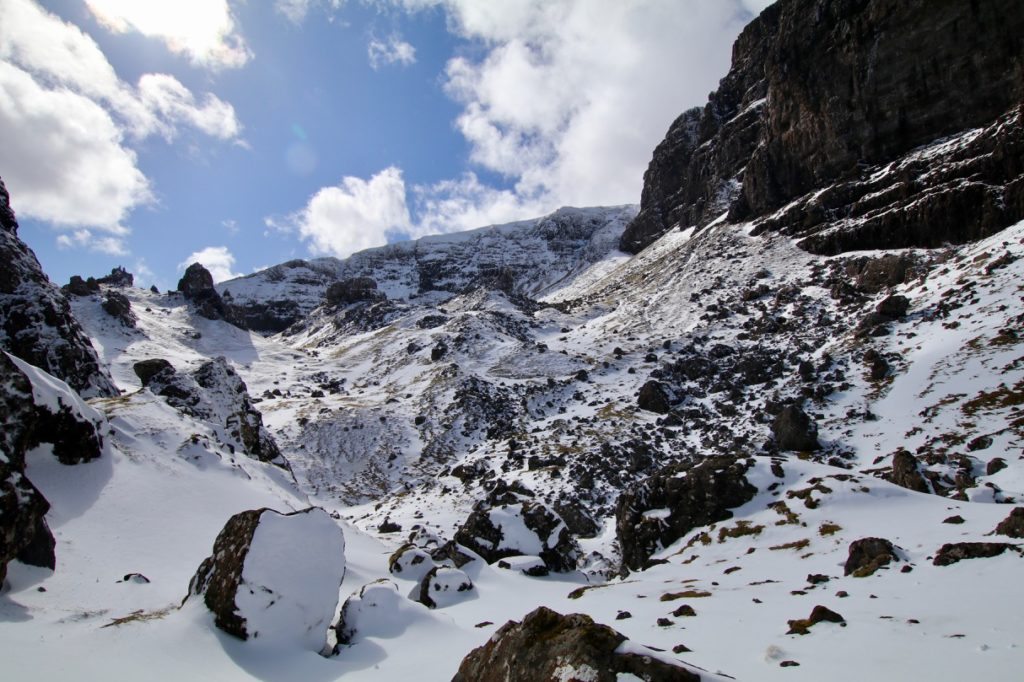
x=113 y=246
x=393 y=50
x=353 y=215
x=295 y=11
x=217 y=259
x=69 y=122
x=204 y=31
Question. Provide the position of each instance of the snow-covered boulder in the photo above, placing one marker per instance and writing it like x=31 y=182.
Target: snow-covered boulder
x=443 y=586
x=549 y=646
x=515 y=529
x=410 y=563
x=37 y=409
x=377 y=610
x=274 y=577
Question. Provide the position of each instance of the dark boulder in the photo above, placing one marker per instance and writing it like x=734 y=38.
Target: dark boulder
x=1013 y=525
x=196 y=285
x=353 y=290
x=36 y=322
x=877 y=274
x=77 y=286
x=118 y=277
x=906 y=472
x=443 y=586
x=819 y=614
x=147 y=369
x=654 y=397
x=119 y=307
x=894 y=307
x=794 y=430
x=655 y=512
x=867 y=555
x=549 y=646
x=951 y=553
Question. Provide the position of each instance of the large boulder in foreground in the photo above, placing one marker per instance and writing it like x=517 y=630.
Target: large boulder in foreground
x=274 y=577
x=655 y=512
x=36 y=323
x=549 y=646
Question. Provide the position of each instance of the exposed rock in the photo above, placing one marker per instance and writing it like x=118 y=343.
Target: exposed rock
x=377 y=609
x=867 y=555
x=894 y=307
x=654 y=398
x=1013 y=525
x=994 y=465
x=443 y=586
x=906 y=472
x=793 y=430
x=951 y=553
x=274 y=577
x=196 y=285
x=877 y=274
x=77 y=286
x=410 y=562
x=824 y=94
x=36 y=323
x=549 y=646
x=147 y=369
x=524 y=528
x=657 y=511
x=22 y=521
x=353 y=290
x=119 y=307
x=819 y=614
x=118 y=277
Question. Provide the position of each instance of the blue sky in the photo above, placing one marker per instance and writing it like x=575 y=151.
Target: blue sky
x=242 y=133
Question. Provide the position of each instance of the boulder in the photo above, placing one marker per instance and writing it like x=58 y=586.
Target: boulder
x=410 y=563
x=119 y=307
x=655 y=512
x=377 y=610
x=953 y=552
x=654 y=397
x=867 y=555
x=196 y=285
x=1013 y=525
x=906 y=472
x=443 y=586
x=522 y=528
x=794 y=430
x=36 y=322
x=147 y=369
x=77 y=286
x=274 y=577
x=118 y=277
x=546 y=645
x=819 y=614
x=894 y=307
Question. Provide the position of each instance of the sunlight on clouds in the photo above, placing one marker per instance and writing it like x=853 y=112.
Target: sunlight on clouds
x=217 y=259
x=203 y=30
x=112 y=246
x=394 y=50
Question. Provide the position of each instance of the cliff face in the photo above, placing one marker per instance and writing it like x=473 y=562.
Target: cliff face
x=36 y=323
x=826 y=93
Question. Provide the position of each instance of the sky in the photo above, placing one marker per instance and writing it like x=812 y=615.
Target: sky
x=151 y=134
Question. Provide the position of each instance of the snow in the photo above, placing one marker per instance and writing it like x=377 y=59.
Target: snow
x=291 y=577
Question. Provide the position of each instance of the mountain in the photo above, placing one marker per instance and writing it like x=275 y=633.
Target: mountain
x=773 y=434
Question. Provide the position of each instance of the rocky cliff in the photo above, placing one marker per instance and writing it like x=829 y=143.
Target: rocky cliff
x=36 y=323
x=824 y=97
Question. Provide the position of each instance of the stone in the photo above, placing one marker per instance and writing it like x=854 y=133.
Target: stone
x=507 y=530
x=77 y=286
x=654 y=397
x=954 y=552
x=274 y=578
x=118 y=277
x=655 y=512
x=793 y=430
x=443 y=586
x=867 y=555
x=906 y=472
x=546 y=645
x=147 y=369
x=119 y=307
x=894 y=307
x=352 y=290
x=819 y=614
x=196 y=285
x=1013 y=525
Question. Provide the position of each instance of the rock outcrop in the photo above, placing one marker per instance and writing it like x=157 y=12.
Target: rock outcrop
x=867 y=555
x=36 y=323
x=661 y=509
x=529 y=528
x=274 y=577
x=546 y=645
x=353 y=290
x=36 y=408
x=837 y=96
x=196 y=285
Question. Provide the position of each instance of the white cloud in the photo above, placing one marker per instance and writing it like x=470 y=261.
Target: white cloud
x=354 y=215
x=69 y=122
x=217 y=259
x=295 y=11
x=202 y=30
x=394 y=50
x=466 y=203
x=113 y=246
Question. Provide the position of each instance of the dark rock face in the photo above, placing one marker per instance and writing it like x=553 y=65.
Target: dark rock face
x=147 y=369
x=906 y=472
x=118 y=277
x=483 y=533
x=119 y=307
x=826 y=93
x=546 y=644
x=196 y=285
x=793 y=430
x=75 y=437
x=691 y=495
x=1013 y=525
x=353 y=290
x=951 y=553
x=36 y=323
x=653 y=398
x=867 y=555
x=77 y=286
